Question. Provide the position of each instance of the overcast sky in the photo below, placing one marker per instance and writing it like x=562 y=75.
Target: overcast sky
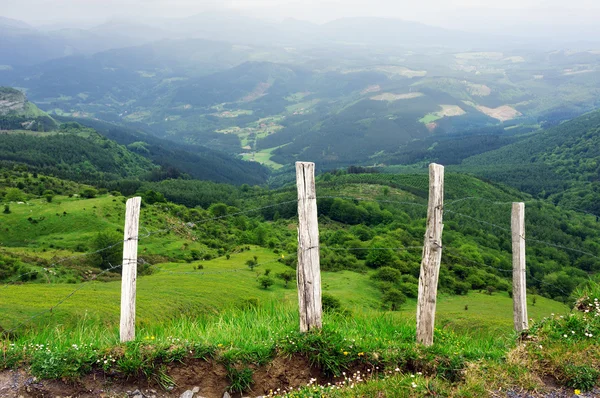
x=465 y=14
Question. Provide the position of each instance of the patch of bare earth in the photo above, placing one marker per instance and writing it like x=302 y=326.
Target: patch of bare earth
x=502 y=113
x=259 y=91
x=373 y=88
x=431 y=126
x=395 y=97
x=451 y=110
x=208 y=377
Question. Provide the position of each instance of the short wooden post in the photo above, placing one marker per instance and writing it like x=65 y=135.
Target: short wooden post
x=432 y=257
x=309 y=269
x=129 y=276
x=518 y=255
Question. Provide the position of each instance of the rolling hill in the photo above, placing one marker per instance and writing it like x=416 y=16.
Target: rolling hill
x=559 y=163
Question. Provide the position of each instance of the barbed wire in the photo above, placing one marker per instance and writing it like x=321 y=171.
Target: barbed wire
x=141 y=237
x=540 y=201
x=477 y=220
x=374 y=200
x=508 y=271
x=149 y=233
x=371 y=248
x=62 y=300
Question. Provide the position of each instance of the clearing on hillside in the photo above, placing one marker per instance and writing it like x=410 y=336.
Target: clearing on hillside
x=502 y=113
x=395 y=97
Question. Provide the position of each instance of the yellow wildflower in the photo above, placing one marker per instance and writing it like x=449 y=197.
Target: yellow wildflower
x=577 y=392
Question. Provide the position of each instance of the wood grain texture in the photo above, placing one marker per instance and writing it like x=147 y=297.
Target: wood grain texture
x=519 y=275
x=432 y=256
x=309 y=269
x=129 y=276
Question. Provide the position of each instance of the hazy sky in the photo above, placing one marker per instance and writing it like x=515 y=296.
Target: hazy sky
x=466 y=14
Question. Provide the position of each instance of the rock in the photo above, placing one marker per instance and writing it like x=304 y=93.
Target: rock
x=136 y=394
x=196 y=390
x=226 y=395
x=187 y=394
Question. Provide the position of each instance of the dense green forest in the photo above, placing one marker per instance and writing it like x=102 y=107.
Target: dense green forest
x=368 y=221
x=560 y=163
x=197 y=161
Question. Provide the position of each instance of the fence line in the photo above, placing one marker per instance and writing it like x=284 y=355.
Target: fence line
x=61 y=301
x=312 y=293
x=454 y=252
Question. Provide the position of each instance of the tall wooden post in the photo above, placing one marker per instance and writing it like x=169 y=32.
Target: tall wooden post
x=309 y=270
x=129 y=276
x=518 y=255
x=432 y=257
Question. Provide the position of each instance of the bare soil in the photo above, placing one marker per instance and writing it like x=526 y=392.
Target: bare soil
x=209 y=376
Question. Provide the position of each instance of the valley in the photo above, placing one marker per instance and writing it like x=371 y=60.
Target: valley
x=204 y=116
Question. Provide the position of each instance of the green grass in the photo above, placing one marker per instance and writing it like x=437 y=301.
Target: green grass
x=263 y=157
x=429 y=118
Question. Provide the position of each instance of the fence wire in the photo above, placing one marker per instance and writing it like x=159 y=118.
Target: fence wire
x=148 y=233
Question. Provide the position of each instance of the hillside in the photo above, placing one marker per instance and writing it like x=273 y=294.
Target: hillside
x=16 y=112
x=371 y=229
x=276 y=105
x=559 y=163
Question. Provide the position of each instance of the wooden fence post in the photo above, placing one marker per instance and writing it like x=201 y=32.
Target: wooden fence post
x=518 y=256
x=309 y=270
x=432 y=257
x=129 y=276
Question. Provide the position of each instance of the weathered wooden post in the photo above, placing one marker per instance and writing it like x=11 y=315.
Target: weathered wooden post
x=129 y=276
x=519 y=277
x=432 y=257
x=309 y=270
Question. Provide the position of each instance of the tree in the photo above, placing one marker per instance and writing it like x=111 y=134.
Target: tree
x=89 y=193
x=14 y=195
x=287 y=276
x=251 y=263
x=49 y=195
x=393 y=299
x=378 y=257
x=387 y=274
x=109 y=247
x=265 y=281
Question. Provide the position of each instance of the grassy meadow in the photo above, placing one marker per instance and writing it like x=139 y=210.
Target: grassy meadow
x=64 y=324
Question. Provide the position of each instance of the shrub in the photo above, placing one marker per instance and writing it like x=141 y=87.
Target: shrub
x=393 y=299
x=387 y=274
x=330 y=303
x=265 y=281
x=89 y=193
x=112 y=254
x=287 y=276
x=251 y=263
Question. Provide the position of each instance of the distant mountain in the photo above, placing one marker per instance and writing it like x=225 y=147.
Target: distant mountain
x=23 y=45
x=13 y=23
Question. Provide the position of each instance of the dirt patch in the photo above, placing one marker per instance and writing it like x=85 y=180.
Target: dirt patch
x=283 y=373
x=502 y=113
x=259 y=91
x=431 y=126
x=396 y=97
x=478 y=90
x=451 y=110
x=210 y=377
x=374 y=88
